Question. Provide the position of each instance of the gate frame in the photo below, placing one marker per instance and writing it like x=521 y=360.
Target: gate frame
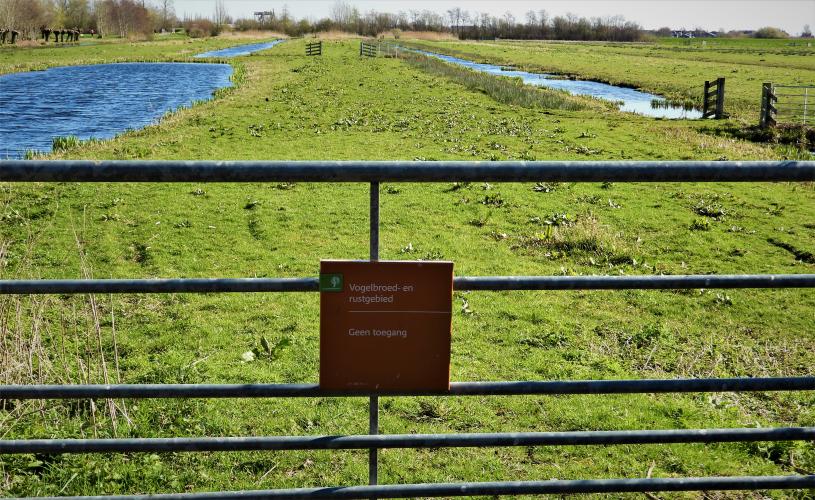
x=374 y=173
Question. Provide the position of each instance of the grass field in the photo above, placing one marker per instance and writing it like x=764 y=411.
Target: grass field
x=342 y=107
x=674 y=68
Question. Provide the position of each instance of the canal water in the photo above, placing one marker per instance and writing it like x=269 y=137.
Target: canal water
x=630 y=100
x=240 y=50
x=98 y=101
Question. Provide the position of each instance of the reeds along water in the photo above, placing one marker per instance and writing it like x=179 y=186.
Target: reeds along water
x=668 y=104
x=501 y=88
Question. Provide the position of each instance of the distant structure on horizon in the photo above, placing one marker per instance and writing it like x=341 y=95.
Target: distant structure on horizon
x=264 y=14
x=694 y=34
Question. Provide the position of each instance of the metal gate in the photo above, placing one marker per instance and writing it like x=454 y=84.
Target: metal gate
x=374 y=173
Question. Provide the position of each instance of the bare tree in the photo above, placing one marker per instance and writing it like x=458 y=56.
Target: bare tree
x=221 y=16
x=25 y=16
x=341 y=13
x=167 y=13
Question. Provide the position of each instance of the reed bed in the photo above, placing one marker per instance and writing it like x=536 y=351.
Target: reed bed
x=503 y=89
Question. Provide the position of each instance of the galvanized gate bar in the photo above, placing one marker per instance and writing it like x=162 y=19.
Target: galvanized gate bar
x=403 y=171
x=461 y=283
x=392 y=441
x=495 y=488
x=373 y=400
x=574 y=387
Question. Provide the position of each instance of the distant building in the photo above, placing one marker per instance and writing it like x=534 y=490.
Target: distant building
x=694 y=34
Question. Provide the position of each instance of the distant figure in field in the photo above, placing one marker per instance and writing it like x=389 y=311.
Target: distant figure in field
x=45 y=32
x=77 y=34
x=14 y=35
x=3 y=34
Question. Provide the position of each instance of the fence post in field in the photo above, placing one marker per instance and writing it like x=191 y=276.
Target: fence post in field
x=767 y=106
x=314 y=48
x=710 y=108
x=719 y=99
x=706 y=101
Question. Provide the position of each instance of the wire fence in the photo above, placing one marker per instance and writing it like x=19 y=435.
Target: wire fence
x=787 y=104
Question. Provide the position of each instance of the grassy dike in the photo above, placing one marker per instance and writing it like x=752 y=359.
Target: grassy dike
x=343 y=107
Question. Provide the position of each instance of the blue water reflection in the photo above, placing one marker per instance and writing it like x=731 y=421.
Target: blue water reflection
x=98 y=101
x=240 y=50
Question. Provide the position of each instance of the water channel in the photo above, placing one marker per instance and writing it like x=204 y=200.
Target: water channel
x=240 y=50
x=98 y=101
x=631 y=100
x=101 y=101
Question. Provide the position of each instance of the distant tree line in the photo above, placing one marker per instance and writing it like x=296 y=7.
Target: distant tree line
x=538 y=25
x=107 y=17
x=464 y=24
x=345 y=17
x=126 y=18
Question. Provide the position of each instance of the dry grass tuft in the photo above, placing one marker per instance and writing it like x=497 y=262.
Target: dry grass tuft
x=422 y=35
x=47 y=339
x=251 y=34
x=336 y=35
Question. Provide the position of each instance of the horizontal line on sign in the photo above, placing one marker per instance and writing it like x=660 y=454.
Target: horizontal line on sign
x=409 y=312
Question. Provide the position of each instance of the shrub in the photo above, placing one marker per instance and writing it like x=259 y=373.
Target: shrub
x=60 y=144
x=700 y=225
x=770 y=32
x=201 y=27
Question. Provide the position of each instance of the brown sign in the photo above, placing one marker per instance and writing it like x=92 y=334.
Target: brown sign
x=385 y=326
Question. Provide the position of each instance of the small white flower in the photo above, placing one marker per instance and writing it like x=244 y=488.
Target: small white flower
x=248 y=357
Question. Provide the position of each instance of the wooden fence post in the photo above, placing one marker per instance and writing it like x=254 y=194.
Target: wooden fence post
x=719 y=99
x=767 y=106
x=706 y=100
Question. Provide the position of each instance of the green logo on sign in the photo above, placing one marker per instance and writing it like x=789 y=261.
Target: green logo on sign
x=331 y=282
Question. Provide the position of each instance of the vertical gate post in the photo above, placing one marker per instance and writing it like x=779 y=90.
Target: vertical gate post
x=719 y=99
x=762 y=118
x=706 y=101
x=373 y=404
x=767 y=105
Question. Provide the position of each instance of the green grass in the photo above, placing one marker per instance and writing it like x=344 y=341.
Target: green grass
x=170 y=48
x=670 y=68
x=340 y=106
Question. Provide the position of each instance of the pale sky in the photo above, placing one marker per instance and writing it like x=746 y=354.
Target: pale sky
x=790 y=15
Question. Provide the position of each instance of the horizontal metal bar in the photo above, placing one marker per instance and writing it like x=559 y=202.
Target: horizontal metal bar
x=633 y=282
x=216 y=285
x=280 y=443
x=463 y=283
x=554 y=486
x=645 y=386
x=404 y=171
